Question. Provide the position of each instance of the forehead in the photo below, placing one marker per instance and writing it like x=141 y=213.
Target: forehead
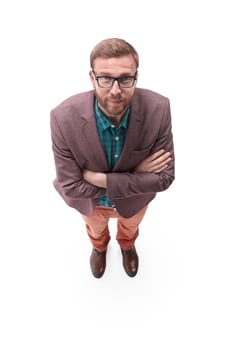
x=115 y=65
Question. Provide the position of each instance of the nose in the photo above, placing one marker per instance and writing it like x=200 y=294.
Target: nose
x=115 y=89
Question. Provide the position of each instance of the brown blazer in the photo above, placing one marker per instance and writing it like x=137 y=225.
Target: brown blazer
x=76 y=146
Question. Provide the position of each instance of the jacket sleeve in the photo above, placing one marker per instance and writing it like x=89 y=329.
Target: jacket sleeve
x=128 y=184
x=69 y=173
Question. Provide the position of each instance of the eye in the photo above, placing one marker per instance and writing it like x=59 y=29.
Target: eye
x=105 y=79
x=125 y=79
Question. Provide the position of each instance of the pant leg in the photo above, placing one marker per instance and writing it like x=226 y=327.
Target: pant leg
x=128 y=229
x=97 y=228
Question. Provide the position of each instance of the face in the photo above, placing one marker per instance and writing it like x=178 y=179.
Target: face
x=115 y=100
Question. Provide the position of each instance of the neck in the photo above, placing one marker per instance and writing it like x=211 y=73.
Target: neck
x=114 y=119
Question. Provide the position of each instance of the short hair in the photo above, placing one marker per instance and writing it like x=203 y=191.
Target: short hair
x=113 y=47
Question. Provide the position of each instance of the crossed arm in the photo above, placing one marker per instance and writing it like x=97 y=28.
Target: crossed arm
x=155 y=163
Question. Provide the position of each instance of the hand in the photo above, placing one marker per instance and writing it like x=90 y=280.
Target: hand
x=155 y=163
x=95 y=178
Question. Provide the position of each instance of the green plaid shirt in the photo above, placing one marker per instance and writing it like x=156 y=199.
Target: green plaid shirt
x=112 y=139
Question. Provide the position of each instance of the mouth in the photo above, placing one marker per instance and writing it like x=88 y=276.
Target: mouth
x=115 y=101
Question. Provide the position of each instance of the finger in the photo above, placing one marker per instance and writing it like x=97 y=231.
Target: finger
x=159 y=156
x=159 y=170
x=165 y=156
x=159 y=153
x=158 y=166
x=161 y=161
x=155 y=155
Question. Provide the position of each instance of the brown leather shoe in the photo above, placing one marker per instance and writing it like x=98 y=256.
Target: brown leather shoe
x=98 y=262
x=130 y=261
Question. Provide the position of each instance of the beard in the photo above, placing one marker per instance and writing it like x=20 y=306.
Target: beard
x=113 y=107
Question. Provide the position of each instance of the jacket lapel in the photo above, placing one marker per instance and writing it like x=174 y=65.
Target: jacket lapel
x=94 y=150
x=133 y=133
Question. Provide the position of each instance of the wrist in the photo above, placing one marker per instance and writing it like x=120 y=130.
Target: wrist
x=101 y=180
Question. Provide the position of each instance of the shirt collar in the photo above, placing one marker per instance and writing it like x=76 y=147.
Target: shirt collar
x=105 y=122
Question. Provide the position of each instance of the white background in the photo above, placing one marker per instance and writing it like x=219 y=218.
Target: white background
x=182 y=295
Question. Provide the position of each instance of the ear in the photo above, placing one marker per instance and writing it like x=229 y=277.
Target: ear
x=92 y=78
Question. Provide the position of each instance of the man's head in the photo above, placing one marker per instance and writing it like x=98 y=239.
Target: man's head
x=113 y=47
x=114 y=64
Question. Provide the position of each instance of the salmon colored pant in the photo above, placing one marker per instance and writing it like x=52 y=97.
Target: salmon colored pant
x=98 y=230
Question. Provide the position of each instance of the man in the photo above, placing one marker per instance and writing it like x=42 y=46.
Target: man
x=113 y=151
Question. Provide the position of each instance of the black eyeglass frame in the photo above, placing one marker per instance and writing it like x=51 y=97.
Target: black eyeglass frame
x=115 y=79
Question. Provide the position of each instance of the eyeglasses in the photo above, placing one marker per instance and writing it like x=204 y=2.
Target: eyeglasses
x=107 y=82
